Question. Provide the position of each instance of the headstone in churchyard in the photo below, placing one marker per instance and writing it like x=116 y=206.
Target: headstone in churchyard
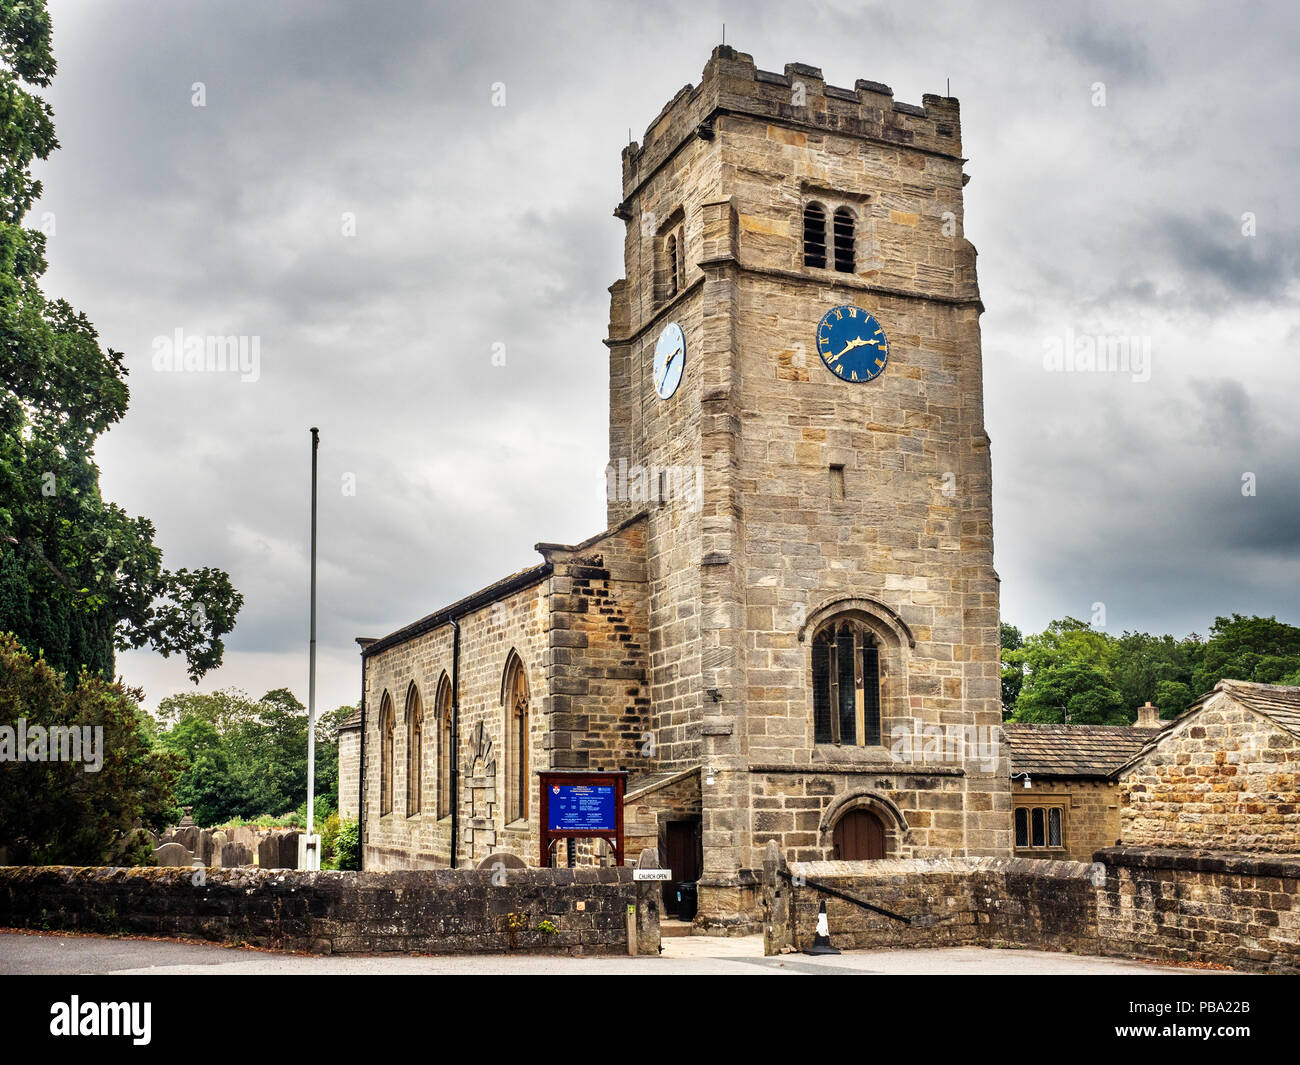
x=173 y=854
x=188 y=836
x=234 y=855
x=289 y=850
x=268 y=853
x=216 y=841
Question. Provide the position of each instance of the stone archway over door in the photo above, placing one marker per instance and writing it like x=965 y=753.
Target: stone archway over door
x=859 y=835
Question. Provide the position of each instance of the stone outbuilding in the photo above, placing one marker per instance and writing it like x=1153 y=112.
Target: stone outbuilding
x=1065 y=796
x=1224 y=776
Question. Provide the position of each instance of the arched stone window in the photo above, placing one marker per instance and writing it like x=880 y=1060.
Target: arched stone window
x=385 y=756
x=414 y=752
x=446 y=756
x=814 y=235
x=846 y=683
x=515 y=697
x=844 y=253
x=671 y=259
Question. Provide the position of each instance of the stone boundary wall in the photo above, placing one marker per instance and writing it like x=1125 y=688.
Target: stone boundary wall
x=444 y=911
x=999 y=902
x=1236 y=909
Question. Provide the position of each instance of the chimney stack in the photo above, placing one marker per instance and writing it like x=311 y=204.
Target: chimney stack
x=1148 y=716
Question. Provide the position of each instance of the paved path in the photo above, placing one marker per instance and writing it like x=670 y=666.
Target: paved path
x=48 y=954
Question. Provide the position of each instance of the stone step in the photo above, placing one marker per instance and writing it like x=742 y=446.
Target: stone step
x=670 y=928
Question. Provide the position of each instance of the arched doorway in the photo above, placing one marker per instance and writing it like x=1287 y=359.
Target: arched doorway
x=859 y=835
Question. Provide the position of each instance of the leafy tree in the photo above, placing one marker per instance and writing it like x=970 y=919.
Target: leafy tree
x=1069 y=677
x=1263 y=650
x=1144 y=665
x=1013 y=672
x=209 y=783
x=79 y=577
x=247 y=758
x=56 y=812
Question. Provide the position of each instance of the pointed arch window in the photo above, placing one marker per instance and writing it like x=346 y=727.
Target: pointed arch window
x=814 y=235
x=844 y=235
x=846 y=684
x=446 y=756
x=385 y=756
x=516 y=697
x=414 y=752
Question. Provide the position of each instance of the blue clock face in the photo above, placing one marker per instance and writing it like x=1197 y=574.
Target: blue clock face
x=852 y=344
x=670 y=360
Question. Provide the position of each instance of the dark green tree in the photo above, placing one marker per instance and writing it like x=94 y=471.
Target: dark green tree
x=1263 y=650
x=57 y=812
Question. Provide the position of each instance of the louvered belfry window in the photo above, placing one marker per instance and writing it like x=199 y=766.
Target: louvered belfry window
x=846 y=684
x=814 y=235
x=844 y=240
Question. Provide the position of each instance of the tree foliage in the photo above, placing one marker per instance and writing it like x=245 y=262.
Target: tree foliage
x=56 y=812
x=1071 y=672
x=247 y=758
x=79 y=577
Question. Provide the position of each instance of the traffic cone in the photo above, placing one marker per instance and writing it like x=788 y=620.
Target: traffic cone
x=822 y=941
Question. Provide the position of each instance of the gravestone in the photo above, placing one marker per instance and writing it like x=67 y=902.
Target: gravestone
x=188 y=836
x=507 y=861
x=289 y=850
x=234 y=855
x=173 y=854
x=268 y=853
x=215 y=841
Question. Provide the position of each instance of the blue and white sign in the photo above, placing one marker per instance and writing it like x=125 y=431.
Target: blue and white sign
x=584 y=807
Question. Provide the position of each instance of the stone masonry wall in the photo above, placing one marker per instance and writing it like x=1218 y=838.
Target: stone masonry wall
x=1003 y=902
x=1225 y=778
x=1180 y=905
x=349 y=771
x=1201 y=906
x=519 y=622
x=598 y=705
x=440 y=912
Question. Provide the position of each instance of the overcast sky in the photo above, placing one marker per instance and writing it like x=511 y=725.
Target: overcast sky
x=477 y=225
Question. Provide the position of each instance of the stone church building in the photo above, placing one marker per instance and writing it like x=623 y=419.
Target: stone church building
x=789 y=629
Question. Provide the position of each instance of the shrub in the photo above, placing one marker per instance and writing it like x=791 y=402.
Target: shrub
x=347 y=845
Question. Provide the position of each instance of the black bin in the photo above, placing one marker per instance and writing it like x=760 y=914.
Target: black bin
x=688 y=900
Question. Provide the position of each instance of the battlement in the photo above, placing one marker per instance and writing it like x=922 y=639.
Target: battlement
x=799 y=97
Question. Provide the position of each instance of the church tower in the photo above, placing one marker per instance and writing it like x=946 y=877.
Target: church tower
x=796 y=398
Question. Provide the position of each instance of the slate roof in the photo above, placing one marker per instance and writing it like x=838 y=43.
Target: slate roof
x=1279 y=702
x=645 y=783
x=353 y=720
x=1073 y=750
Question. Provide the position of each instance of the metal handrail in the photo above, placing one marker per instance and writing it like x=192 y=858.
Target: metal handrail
x=826 y=889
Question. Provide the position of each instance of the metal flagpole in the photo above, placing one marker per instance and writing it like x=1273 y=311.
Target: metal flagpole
x=312 y=854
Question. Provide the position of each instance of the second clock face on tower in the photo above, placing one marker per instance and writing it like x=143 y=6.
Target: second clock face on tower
x=852 y=344
x=670 y=360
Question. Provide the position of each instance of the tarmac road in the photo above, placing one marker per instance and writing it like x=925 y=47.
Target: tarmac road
x=26 y=953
